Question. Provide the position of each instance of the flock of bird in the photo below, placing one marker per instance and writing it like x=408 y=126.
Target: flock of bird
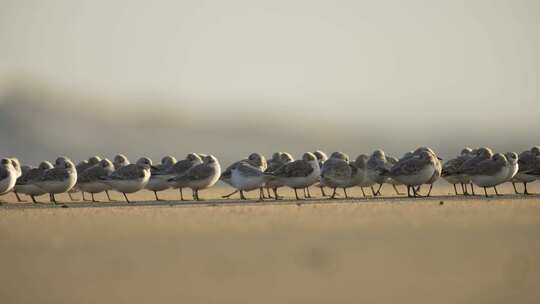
x=480 y=167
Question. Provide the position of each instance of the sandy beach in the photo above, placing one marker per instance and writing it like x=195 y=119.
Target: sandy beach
x=443 y=249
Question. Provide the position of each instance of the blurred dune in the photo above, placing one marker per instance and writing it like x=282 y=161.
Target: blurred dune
x=39 y=122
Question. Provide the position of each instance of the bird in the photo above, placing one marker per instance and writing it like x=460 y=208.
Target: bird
x=129 y=178
x=8 y=176
x=413 y=171
x=200 y=176
x=438 y=167
x=527 y=161
x=81 y=167
x=392 y=161
x=59 y=179
x=278 y=160
x=254 y=159
x=246 y=177
x=299 y=174
x=376 y=165
x=478 y=155
x=24 y=171
x=321 y=157
x=120 y=160
x=359 y=173
x=337 y=173
x=25 y=183
x=180 y=168
x=18 y=169
x=513 y=166
x=89 y=163
x=535 y=169
x=489 y=172
x=90 y=180
x=452 y=166
x=157 y=181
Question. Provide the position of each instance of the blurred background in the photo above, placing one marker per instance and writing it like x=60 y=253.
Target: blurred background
x=79 y=78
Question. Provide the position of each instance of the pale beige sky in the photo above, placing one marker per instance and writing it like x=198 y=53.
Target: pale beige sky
x=352 y=58
x=389 y=73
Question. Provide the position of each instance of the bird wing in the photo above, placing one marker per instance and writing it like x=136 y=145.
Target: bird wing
x=130 y=171
x=485 y=167
x=3 y=174
x=56 y=174
x=198 y=172
x=337 y=170
x=92 y=174
x=452 y=166
x=248 y=170
x=180 y=167
x=408 y=167
x=296 y=168
x=228 y=172
x=32 y=175
x=527 y=162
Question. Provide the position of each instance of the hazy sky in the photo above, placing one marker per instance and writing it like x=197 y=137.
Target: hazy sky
x=442 y=64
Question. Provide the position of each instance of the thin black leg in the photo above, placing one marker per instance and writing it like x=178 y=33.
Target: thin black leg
x=363 y=193
x=71 y=196
x=296 y=194
x=230 y=194
x=261 y=195
x=108 y=195
x=415 y=191
x=430 y=188
x=276 y=196
x=515 y=189
x=333 y=194
x=526 y=192
x=18 y=197
x=379 y=190
x=396 y=189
